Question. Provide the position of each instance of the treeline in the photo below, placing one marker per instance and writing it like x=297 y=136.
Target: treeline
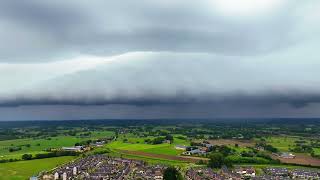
x=42 y=156
x=159 y=140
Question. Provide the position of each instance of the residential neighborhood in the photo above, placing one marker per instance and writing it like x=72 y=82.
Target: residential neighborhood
x=101 y=167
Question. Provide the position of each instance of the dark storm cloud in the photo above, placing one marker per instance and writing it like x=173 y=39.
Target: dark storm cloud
x=51 y=30
x=45 y=16
x=145 y=79
x=169 y=58
x=294 y=100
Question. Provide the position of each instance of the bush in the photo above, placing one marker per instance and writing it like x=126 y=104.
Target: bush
x=158 y=140
x=27 y=156
x=13 y=149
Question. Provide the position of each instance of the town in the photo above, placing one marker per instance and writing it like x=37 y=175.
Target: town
x=103 y=167
x=98 y=167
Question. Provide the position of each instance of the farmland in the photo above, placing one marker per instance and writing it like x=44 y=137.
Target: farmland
x=156 y=144
x=39 y=145
x=137 y=144
x=282 y=143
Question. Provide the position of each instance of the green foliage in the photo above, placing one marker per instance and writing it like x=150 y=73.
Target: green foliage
x=172 y=173
x=13 y=149
x=41 y=145
x=158 y=140
x=225 y=150
x=217 y=160
x=267 y=147
x=55 y=154
x=27 y=156
x=251 y=160
x=169 y=137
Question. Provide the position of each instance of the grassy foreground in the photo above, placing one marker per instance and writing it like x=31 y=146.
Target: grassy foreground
x=25 y=169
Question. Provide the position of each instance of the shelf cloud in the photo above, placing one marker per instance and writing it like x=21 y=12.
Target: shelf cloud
x=170 y=58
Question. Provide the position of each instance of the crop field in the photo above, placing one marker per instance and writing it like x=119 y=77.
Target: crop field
x=166 y=157
x=148 y=159
x=34 y=146
x=24 y=169
x=303 y=159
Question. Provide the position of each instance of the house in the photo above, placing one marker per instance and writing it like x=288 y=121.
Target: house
x=305 y=174
x=202 y=173
x=194 y=152
x=247 y=171
x=181 y=147
x=277 y=171
x=75 y=149
x=98 y=143
x=260 y=148
x=208 y=145
x=33 y=178
x=287 y=155
x=204 y=149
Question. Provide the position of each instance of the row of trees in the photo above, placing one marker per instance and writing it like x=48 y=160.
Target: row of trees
x=49 y=155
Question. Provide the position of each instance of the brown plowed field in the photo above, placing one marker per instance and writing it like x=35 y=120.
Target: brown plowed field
x=300 y=159
x=163 y=156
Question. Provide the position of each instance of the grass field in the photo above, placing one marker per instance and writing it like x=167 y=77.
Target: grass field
x=39 y=145
x=25 y=169
x=137 y=144
x=282 y=143
x=316 y=151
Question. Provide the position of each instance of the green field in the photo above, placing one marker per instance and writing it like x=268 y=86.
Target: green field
x=25 y=169
x=316 y=151
x=40 y=145
x=282 y=143
x=137 y=144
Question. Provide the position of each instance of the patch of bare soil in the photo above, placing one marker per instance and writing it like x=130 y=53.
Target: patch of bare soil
x=302 y=159
x=164 y=156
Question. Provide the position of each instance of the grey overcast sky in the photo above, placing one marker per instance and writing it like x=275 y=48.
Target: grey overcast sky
x=159 y=59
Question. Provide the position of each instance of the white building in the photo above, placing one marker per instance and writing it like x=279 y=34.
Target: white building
x=56 y=176
x=74 y=171
x=64 y=176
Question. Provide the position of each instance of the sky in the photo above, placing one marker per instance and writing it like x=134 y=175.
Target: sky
x=159 y=59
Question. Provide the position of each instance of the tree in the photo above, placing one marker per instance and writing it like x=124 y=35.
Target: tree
x=216 y=160
x=225 y=150
x=158 y=140
x=27 y=156
x=172 y=173
x=169 y=137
